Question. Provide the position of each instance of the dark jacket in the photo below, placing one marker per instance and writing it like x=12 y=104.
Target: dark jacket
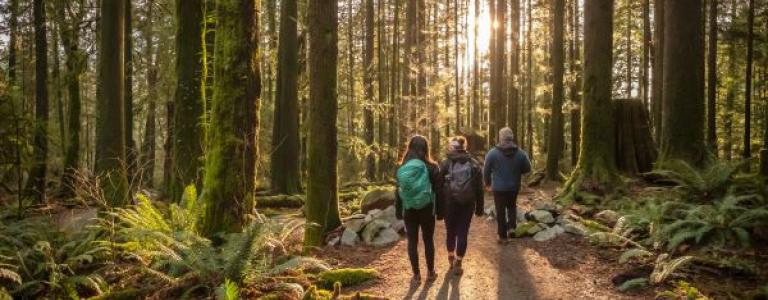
x=477 y=179
x=504 y=167
x=436 y=186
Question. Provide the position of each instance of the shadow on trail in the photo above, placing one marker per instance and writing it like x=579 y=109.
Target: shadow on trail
x=450 y=289
x=514 y=277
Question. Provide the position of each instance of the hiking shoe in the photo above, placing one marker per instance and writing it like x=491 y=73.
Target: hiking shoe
x=457 y=269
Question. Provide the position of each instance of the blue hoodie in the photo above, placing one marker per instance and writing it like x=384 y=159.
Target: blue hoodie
x=504 y=167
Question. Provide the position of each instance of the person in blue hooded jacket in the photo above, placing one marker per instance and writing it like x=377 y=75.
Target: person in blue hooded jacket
x=504 y=167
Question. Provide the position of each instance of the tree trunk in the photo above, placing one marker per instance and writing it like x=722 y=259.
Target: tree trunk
x=531 y=99
x=368 y=75
x=712 y=79
x=575 y=96
x=13 y=24
x=150 y=132
x=558 y=68
x=513 y=106
x=39 y=170
x=131 y=152
x=189 y=102
x=395 y=107
x=646 y=52
x=747 y=154
x=110 y=131
x=498 y=100
x=596 y=170
x=635 y=149
x=286 y=178
x=629 y=50
x=321 y=208
x=69 y=39
x=658 y=69
x=682 y=132
x=730 y=90
x=231 y=157
x=382 y=92
x=475 y=114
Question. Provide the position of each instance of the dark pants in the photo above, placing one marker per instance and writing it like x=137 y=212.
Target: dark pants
x=425 y=219
x=457 y=220
x=506 y=211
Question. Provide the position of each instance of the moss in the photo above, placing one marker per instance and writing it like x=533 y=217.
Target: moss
x=522 y=229
x=347 y=277
x=313 y=293
x=594 y=226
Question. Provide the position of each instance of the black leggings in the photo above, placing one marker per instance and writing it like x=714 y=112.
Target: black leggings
x=457 y=221
x=425 y=219
x=506 y=211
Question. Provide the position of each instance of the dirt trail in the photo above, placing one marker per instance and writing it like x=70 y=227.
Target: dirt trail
x=564 y=268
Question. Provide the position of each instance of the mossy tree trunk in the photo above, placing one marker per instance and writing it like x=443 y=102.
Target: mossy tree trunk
x=498 y=100
x=657 y=81
x=39 y=170
x=285 y=177
x=370 y=165
x=189 y=103
x=596 y=170
x=231 y=151
x=322 y=209
x=558 y=68
x=150 y=131
x=747 y=149
x=575 y=66
x=712 y=79
x=683 y=117
x=110 y=133
x=131 y=152
x=69 y=39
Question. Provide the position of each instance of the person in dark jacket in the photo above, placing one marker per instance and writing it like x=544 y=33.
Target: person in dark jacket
x=462 y=194
x=504 y=167
x=424 y=218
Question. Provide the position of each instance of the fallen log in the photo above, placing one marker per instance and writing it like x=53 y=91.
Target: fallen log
x=278 y=201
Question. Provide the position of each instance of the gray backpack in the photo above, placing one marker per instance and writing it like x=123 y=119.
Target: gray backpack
x=460 y=189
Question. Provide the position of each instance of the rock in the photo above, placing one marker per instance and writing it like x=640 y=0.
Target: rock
x=521 y=216
x=355 y=224
x=374 y=213
x=543 y=216
x=548 y=234
x=522 y=229
x=388 y=215
x=545 y=205
x=399 y=226
x=575 y=228
x=307 y=264
x=372 y=230
x=607 y=217
x=295 y=290
x=536 y=228
x=334 y=241
x=385 y=237
x=349 y=238
x=377 y=199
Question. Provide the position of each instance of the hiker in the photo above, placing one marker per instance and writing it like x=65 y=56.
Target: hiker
x=462 y=195
x=415 y=201
x=504 y=167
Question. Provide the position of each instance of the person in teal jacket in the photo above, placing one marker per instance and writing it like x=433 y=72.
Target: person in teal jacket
x=504 y=167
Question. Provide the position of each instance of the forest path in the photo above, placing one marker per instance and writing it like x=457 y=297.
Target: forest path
x=566 y=267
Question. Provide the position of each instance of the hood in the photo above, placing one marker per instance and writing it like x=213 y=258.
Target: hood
x=459 y=156
x=508 y=148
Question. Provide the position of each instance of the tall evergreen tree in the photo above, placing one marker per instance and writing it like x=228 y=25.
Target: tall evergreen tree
x=188 y=103
x=597 y=165
x=368 y=75
x=69 y=39
x=150 y=128
x=683 y=128
x=131 y=152
x=39 y=170
x=498 y=100
x=110 y=133
x=747 y=150
x=322 y=208
x=231 y=152
x=657 y=84
x=285 y=138
x=558 y=69
x=712 y=79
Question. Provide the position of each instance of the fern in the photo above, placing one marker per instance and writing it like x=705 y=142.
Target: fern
x=632 y=284
x=228 y=291
x=665 y=267
x=634 y=253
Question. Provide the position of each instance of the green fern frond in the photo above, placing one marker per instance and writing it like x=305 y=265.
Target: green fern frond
x=228 y=291
x=634 y=253
x=664 y=267
x=632 y=284
x=679 y=238
x=10 y=275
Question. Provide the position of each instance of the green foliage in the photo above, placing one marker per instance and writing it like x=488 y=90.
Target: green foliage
x=632 y=284
x=634 y=253
x=719 y=224
x=39 y=262
x=695 y=184
x=228 y=291
x=683 y=290
x=665 y=266
x=347 y=277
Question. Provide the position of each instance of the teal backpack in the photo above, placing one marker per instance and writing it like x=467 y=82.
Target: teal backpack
x=414 y=187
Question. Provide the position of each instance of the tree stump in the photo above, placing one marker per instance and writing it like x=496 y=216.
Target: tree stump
x=635 y=149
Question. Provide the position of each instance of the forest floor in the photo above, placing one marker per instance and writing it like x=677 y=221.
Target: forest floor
x=566 y=267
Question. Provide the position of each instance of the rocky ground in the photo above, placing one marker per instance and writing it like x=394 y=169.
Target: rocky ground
x=563 y=267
